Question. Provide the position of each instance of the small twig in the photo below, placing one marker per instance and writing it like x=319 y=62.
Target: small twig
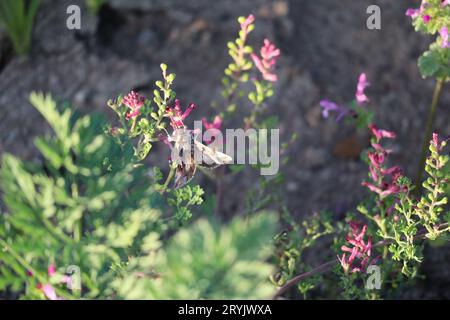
x=169 y=178
x=325 y=266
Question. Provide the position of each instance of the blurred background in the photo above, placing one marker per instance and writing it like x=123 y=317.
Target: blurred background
x=325 y=46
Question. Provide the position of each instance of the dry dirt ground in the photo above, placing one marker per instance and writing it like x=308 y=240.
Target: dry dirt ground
x=324 y=43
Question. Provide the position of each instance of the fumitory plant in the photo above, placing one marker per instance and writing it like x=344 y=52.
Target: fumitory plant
x=95 y=218
x=433 y=18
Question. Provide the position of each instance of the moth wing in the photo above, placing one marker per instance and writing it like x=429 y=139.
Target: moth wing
x=210 y=157
x=183 y=174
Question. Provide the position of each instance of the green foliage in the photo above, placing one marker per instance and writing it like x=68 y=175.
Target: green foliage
x=206 y=262
x=435 y=62
x=291 y=244
x=150 y=122
x=238 y=51
x=17 y=19
x=87 y=204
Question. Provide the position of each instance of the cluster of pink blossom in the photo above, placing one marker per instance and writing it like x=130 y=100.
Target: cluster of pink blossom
x=357 y=254
x=134 y=102
x=415 y=13
x=384 y=180
x=266 y=63
x=420 y=12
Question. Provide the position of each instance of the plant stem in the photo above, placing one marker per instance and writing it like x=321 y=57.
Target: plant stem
x=169 y=177
x=133 y=125
x=428 y=132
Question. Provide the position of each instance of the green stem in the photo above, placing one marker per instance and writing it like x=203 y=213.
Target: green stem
x=428 y=132
x=169 y=178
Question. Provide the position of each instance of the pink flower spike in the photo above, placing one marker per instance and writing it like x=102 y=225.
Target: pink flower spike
x=135 y=102
x=269 y=55
x=51 y=270
x=360 y=252
x=444 y=37
x=361 y=98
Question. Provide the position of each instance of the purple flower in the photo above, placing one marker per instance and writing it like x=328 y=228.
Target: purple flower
x=328 y=106
x=444 y=37
x=413 y=13
x=361 y=98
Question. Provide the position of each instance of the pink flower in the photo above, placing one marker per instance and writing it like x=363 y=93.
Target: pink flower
x=384 y=180
x=135 y=102
x=379 y=133
x=265 y=64
x=445 y=3
x=215 y=125
x=177 y=116
x=426 y=18
x=444 y=37
x=413 y=13
x=437 y=143
x=359 y=250
x=51 y=270
x=361 y=98
x=50 y=292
